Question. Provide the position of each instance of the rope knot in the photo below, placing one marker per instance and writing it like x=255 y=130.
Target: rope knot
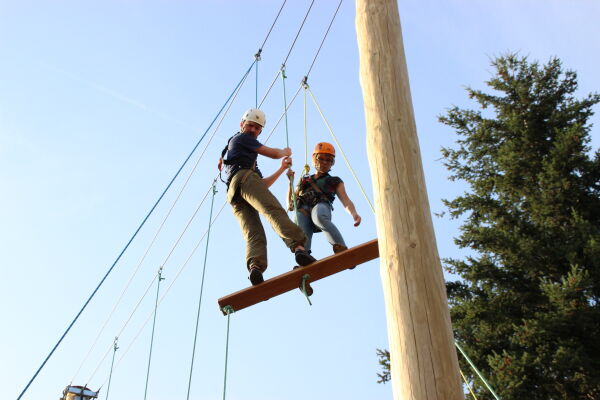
x=304 y=82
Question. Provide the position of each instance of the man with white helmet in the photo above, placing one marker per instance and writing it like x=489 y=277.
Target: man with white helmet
x=249 y=195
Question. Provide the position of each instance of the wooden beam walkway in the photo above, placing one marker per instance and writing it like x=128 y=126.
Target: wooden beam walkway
x=291 y=280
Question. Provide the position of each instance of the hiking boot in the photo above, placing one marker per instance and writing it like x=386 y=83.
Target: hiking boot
x=255 y=276
x=303 y=257
x=307 y=287
x=338 y=248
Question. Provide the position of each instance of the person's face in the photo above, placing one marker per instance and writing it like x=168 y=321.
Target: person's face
x=251 y=127
x=323 y=162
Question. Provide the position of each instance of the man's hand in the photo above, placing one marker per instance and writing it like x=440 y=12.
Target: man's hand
x=220 y=164
x=357 y=219
x=286 y=152
x=290 y=173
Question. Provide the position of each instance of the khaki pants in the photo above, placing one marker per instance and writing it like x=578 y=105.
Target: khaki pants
x=249 y=196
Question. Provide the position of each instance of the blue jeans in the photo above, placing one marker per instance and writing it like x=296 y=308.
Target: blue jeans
x=320 y=216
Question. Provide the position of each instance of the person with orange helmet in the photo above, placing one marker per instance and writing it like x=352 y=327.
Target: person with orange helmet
x=314 y=199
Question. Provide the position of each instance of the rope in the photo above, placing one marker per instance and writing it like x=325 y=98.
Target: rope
x=256 y=83
x=474 y=368
x=287 y=139
x=303 y=287
x=306 y=166
x=324 y=37
x=271 y=29
x=467 y=383
x=342 y=150
x=111 y=367
x=288 y=54
x=260 y=49
x=228 y=310
x=298 y=33
x=129 y=242
x=160 y=278
x=151 y=282
x=168 y=289
x=214 y=187
x=129 y=283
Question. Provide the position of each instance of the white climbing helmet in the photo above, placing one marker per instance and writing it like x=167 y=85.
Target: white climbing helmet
x=255 y=115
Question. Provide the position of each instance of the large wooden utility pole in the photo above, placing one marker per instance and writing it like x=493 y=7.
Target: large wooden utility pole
x=424 y=364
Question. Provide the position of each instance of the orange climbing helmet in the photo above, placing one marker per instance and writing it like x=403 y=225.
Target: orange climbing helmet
x=324 y=148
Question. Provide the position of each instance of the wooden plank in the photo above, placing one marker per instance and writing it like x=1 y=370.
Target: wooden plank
x=292 y=279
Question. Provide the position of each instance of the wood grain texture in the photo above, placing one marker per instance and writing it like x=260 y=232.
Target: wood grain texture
x=291 y=280
x=423 y=357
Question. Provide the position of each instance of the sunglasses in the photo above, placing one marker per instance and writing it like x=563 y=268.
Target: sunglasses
x=325 y=159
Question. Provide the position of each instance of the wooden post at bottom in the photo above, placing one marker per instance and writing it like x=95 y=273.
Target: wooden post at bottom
x=424 y=364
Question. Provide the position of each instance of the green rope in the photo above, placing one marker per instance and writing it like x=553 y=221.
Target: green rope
x=487 y=385
x=341 y=150
x=160 y=278
x=287 y=139
x=228 y=310
x=306 y=166
x=214 y=188
x=111 y=366
x=303 y=287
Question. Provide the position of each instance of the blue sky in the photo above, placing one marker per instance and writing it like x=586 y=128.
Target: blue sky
x=100 y=103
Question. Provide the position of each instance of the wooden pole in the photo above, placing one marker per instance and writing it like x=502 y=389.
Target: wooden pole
x=424 y=363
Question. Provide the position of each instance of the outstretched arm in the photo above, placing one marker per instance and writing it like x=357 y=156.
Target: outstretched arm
x=273 y=152
x=347 y=203
x=286 y=162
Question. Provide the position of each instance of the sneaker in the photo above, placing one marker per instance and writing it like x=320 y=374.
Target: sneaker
x=255 y=276
x=307 y=287
x=338 y=248
x=303 y=257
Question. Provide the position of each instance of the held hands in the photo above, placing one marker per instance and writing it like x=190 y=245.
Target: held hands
x=286 y=162
x=286 y=152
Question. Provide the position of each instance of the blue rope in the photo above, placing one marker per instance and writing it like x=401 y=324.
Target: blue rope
x=133 y=237
x=214 y=188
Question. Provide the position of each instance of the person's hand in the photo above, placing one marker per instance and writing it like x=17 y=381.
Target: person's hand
x=286 y=162
x=220 y=164
x=290 y=173
x=357 y=219
x=286 y=152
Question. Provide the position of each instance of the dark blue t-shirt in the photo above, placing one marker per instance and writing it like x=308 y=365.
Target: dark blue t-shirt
x=241 y=154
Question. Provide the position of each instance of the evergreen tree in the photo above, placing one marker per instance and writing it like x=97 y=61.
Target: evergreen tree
x=525 y=308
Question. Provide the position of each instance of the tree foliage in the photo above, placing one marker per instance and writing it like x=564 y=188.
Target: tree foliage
x=525 y=307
